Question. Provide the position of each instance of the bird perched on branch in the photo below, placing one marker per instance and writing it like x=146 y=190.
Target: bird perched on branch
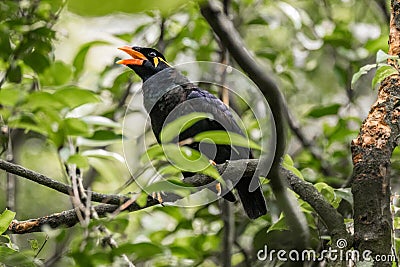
x=166 y=91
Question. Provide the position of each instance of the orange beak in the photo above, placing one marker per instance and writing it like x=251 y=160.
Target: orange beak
x=137 y=57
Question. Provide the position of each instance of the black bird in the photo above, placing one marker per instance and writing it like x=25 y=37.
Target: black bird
x=170 y=92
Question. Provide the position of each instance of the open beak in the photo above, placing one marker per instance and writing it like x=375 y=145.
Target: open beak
x=137 y=57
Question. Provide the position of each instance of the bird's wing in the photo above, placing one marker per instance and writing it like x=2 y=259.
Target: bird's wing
x=199 y=100
x=203 y=101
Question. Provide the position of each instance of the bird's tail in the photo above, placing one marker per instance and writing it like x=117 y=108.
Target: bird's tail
x=253 y=202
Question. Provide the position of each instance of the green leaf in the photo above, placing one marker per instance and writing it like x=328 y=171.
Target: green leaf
x=11 y=257
x=321 y=111
x=363 y=70
x=289 y=165
x=279 y=225
x=15 y=74
x=373 y=45
x=173 y=129
x=93 y=8
x=82 y=259
x=76 y=127
x=10 y=96
x=381 y=73
x=345 y=193
x=225 y=138
x=100 y=121
x=28 y=123
x=100 y=138
x=396 y=223
x=5 y=219
x=382 y=57
x=34 y=244
x=169 y=186
x=104 y=154
x=142 y=251
x=141 y=200
x=80 y=57
x=37 y=61
x=58 y=73
x=79 y=160
x=152 y=153
x=190 y=160
x=74 y=96
x=42 y=100
x=329 y=193
x=169 y=170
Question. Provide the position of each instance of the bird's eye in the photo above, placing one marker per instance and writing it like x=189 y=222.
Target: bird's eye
x=152 y=54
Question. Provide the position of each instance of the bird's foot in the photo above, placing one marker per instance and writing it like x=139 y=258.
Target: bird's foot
x=157 y=195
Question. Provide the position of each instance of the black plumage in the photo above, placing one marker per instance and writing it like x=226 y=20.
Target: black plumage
x=168 y=95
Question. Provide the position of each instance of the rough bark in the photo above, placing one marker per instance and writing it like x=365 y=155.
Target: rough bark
x=371 y=152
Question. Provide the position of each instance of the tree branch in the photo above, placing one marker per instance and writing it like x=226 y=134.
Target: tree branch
x=231 y=39
x=58 y=186
x=68 y=218
x=371 y=153
x=307 y=144
x=332 y=219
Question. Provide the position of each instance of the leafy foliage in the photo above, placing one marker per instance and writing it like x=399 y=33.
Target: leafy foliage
x=66 y=108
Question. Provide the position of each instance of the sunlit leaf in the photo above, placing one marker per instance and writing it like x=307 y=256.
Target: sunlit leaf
x=363 y=70
x=74 y=96
x=76 y=127
x=382 y=57
x=5 y=219
x=190 y=160
x=173 y=129
x=28 y=123
x=100 y=121
x=141 y=200
x=152 y=153
x=43 y=100
x=381 y=73
x=225 y=138
x=101 y=153
x=169 y=186
x=92 y=8
x=329 y=193
x=288 y=164
x=184 y=252
x=279 y=225
x=79 y=160
x=59 y=73
x=10 y=97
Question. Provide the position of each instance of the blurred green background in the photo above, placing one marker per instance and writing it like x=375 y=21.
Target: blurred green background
x=63 y=101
